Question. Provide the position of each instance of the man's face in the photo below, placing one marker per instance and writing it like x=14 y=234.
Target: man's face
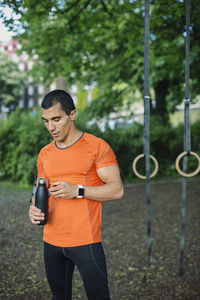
x=57 y=122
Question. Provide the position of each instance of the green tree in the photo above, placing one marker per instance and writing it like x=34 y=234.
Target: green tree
x=11 y=81
x=102 y=41
x=82 y=96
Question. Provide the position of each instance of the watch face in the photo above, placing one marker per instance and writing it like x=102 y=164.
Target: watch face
x=81 y=192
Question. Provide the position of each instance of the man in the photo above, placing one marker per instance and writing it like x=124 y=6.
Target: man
x=82 y=171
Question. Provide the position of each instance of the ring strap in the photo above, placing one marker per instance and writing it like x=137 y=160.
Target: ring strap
x=187 y=141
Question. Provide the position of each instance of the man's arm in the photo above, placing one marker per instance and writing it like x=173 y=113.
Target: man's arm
x=112 y=189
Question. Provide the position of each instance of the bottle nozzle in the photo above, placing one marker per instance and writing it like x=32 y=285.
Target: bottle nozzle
x=42 y=180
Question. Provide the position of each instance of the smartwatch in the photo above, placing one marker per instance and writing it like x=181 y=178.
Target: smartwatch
x=80 y=191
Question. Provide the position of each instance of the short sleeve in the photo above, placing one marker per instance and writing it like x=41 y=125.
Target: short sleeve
x=106 y=156
x=41 y=173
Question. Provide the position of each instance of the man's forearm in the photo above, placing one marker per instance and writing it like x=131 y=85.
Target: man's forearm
x=33 y=200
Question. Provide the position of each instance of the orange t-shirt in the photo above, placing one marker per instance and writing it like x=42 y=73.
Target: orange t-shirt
x=74 y=222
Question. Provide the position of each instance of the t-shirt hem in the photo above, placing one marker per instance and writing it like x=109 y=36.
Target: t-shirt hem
x=65 y=244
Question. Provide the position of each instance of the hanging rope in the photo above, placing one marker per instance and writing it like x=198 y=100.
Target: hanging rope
x=146 y=149
x=187 y=140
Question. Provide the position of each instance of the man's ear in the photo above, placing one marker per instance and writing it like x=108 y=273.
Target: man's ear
x=73 y=115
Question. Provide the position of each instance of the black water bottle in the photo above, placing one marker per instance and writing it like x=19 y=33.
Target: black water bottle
x=41 y=199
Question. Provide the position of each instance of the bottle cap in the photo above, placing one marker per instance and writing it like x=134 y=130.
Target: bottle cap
x=42 y=180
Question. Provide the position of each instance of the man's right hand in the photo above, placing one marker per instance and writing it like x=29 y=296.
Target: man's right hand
x=35 y=214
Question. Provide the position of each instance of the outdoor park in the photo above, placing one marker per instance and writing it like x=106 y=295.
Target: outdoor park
x=133 y=68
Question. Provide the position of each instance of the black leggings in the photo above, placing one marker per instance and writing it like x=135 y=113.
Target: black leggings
x=90 y=261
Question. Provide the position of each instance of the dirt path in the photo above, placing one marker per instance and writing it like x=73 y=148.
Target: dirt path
x=124 y=237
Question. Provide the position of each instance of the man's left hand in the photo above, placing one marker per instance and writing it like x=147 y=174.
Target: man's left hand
x=63 y=189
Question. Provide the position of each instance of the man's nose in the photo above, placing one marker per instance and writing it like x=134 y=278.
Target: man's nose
x=51 y=126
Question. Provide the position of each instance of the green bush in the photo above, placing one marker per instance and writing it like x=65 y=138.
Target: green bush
x=23 y=135
x=21 y=138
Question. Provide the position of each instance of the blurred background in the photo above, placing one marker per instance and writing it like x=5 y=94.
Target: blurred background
x=95 y=50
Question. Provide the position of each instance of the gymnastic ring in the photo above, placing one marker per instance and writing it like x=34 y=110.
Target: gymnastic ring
x=142 y=176
x=189 y=174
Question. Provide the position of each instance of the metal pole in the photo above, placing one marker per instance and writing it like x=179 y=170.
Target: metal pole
x=187 y=140
x=147 y=127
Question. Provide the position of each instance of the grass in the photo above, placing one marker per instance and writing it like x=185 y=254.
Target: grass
x=124 y=228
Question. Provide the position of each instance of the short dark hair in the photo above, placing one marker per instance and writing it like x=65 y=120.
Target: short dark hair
x=58 y=96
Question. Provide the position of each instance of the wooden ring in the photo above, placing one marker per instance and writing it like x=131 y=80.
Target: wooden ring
x=142 y=176
x=187 y=174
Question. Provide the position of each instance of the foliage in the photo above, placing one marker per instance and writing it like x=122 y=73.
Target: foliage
x=21 y=138
x=23 y=135
x=81 y=97
x=11 y=81
x=102 y=42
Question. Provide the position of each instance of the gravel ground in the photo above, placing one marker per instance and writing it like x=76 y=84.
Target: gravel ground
x=124 y=230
